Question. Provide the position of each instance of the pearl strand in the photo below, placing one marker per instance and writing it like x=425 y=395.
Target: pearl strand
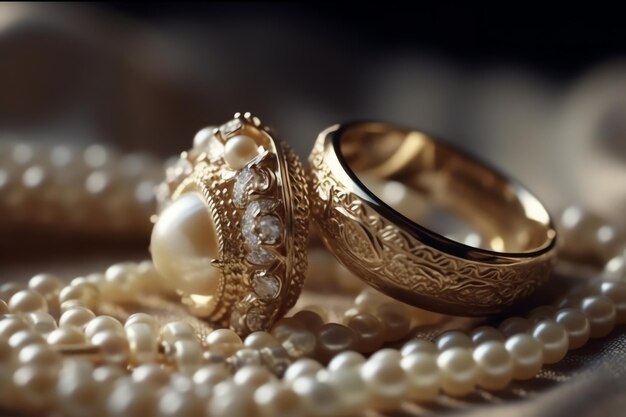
x=44 y=186
x=223 y=374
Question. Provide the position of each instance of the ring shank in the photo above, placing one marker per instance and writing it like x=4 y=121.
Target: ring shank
x=395 y=252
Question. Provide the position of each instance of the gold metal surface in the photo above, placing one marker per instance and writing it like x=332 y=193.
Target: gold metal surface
x=407 y=260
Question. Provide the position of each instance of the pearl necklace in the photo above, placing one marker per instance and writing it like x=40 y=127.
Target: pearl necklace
x=58 y=355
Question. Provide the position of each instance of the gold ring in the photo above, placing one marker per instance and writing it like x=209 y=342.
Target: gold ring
x=232 y=227
x=357 y=173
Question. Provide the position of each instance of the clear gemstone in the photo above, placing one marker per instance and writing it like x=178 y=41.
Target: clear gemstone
x=254 y=231
x=268 y=228
x=265 y=286
x=230 y=127
x=260 y=256
x=247 y=180
x=254 y=319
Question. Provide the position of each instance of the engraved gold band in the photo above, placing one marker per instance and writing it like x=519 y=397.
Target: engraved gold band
x=393 y=251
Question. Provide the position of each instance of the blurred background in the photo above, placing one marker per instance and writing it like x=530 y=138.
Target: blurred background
x=538 y=92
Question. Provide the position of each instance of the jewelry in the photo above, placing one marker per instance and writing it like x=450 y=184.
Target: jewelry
x=60 y=353
x=232 y=227
x=401 y=257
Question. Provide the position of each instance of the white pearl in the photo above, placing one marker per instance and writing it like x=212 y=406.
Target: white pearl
x=418 y=345
x=40 y=355
x=276 y=400
x=239 y=150
x=174 y=403
x=527 y=353
x=141 y=318
x=616 y=291
x=103 y=323
x=515 y=325
x=423 y=375
x=203 y=137
x=177 y=330
x=320 y=398
x=346 y=360
x=600 y=311
x=576 y=324
x=183 y=244
x=253 y=376
x=230 y=399
x=553 y=338
x=48 y=286
x=142 y=341
x=27 y=301
x=386 y=382
x=76 y=317
x=615 y=269
x=84 y=292
x=188 y=355
x=386 y=354
x=495 y=365
x=11 y=325
x=34 y=387
x=23 y=338
x=131 y=400
x=484 y=334
x=261 y=339
x=108 y=374
x=64 y=336
x=458 y=371
x=151 y=374
x=41 y=322
x=351 y=389
x=77 y=391
x=301 y=367
x=453 y=339
x=113 y=346
x=208 y=377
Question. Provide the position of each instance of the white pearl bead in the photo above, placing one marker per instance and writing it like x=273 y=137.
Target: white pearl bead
x=34 y=387
x=458 y=371
x=423 y=375
x=76 y=317
x=174 y=403
x=141 y=318
x=351 y=389
x=177 y=330
x=320 y=398
x=276 y=400
x=527 y=353
x=208 y=377
x=615 y=269
x=11 y=325
x=203 y=137
x=48 y=286
x=108 y=374
x=23 y=338
x=27 y=301
x=600 y=311
x=346 y=360
x=253 y=376
x=131 y=400
x=183 y=244
x=553 y=338
x=103 y=323
x=41 y=322
x=142 y=341
x=259 y=340
x=386 y=382
x=77 y=392
x=484 y=334
x=616 y=291
x=515 y=325
x=230 y=399
x=495 y=365
x=40 y=355
x=453 y=339
x=113 y=346
x=66 y=336
x=188 y=355
x=386 y=354
x=84 y=292
x=239 y=150
x=576 y=324
x=151 y=374
x=418 y=345
x=301 y=367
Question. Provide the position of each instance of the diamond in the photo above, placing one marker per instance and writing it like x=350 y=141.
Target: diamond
x=254 y=319
x=268 y=228
x=265 y=286
x=247 y=180
x=230 y=127
x=260 y=256
x=256 y=231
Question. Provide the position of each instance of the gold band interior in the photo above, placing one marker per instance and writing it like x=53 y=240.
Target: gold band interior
x=445 y=187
